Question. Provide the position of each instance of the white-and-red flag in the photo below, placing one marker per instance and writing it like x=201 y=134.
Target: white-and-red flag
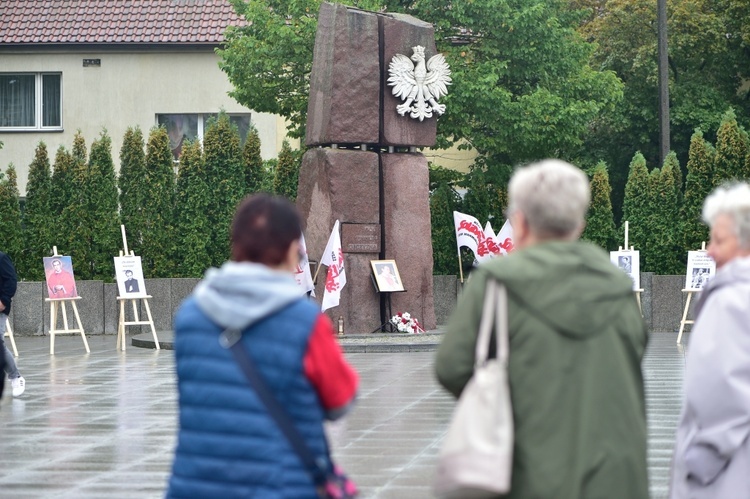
x=469 y=233
x=333 y=257
x=302 y=274
x=489 y=246
x=505 y=238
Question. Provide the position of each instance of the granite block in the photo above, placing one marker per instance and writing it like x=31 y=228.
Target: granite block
x=344 y=102
x=360 y=303
x=160 y=305
x=29 y=310
x=90 y=308
x=647 y=298
x=111 y=308
x=445 y=293
x=407 y=229
x=181 y=289
x=398 y=34
x=336 y=184
x=667 y=302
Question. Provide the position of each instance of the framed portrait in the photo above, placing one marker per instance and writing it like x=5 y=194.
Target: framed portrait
x=129 y=274
x=58 y=271
x=387 y=277
x=700 y=269
x=629 y=262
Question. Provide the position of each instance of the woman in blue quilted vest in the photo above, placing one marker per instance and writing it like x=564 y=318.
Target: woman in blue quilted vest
x=228 y=445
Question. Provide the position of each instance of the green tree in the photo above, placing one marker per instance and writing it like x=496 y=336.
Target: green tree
x=269 y=175
x=600 y=223
x=103 y=214
x=654 y=242
x=667 y=230
x=636 y=204
x=132 y=187
x=62 y=191
x=225 y=177
x=707 y=65
x=191 y=223
x=485 y=197
x=286 y=174
x=444 y=200
x=37 y=216
x=670 y=206
x=522 y=85
x=77 y=237
x=731 y=149
x=252 y=161
x=158 y=206
x=697 y=187
x=10 y=214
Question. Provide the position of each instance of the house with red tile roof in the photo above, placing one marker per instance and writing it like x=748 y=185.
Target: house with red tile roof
x=89 y=65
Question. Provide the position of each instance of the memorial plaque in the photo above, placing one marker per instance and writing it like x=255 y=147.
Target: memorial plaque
x=360 y=238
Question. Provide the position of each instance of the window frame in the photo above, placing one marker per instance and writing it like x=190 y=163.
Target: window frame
x=38 y=102
x=202 y=119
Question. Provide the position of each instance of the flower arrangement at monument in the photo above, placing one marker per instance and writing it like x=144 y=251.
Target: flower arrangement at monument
x=405 y=323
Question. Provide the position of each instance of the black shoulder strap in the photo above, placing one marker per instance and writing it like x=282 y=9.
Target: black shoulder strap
x=317 y=467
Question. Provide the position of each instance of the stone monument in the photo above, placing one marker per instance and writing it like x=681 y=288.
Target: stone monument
x=363 y=168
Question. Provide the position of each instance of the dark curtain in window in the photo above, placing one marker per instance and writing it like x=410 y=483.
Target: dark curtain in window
x=51 y=100
x=17 y=103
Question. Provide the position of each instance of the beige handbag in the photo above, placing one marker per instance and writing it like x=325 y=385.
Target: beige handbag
x=476 y=459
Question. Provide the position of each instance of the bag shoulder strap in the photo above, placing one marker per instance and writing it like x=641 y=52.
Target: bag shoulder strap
x=494 y=313
x=317 y=467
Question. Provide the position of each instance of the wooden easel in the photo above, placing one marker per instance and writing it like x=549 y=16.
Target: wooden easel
x=122 y=323
x=54 y=303
x=687 y=305
x=9 y=333
x=639 y=290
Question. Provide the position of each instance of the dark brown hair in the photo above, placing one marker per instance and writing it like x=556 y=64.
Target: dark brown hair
x=263 y=228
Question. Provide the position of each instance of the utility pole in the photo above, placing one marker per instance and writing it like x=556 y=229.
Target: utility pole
x=661 y=19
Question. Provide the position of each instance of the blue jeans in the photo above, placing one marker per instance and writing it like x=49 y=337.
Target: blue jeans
x=10 y=361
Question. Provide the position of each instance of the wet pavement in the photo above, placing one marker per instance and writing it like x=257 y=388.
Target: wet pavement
x=102 y=425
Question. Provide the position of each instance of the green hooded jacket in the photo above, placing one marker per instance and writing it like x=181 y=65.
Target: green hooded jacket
x=576 y=343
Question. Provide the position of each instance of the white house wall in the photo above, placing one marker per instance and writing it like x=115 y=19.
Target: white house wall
x=128 y=89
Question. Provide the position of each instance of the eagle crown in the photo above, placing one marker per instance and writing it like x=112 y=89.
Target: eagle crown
x=418 y=53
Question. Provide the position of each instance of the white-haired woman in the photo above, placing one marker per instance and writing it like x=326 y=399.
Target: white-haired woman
x=712 y=452
x=576 y=343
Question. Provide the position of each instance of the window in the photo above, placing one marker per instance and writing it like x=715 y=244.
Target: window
x=31 y=101
x=182 y=127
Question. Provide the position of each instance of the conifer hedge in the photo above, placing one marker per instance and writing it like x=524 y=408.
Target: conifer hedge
x=698 y=184
x=600 y=221
x=37 y=224
x=179 y=225
x=10 y=214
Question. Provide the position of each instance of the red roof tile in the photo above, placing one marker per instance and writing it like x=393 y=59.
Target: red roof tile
x=115 y=21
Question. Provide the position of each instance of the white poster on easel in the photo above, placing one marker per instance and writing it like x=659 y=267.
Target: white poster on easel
x=629 y=261
x=700 y=269
x=130 y=282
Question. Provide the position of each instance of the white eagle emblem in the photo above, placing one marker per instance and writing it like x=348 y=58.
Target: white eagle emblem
x=420 y=84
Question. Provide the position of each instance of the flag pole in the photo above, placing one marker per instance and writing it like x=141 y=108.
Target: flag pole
x=460 y=267
x=317 y=269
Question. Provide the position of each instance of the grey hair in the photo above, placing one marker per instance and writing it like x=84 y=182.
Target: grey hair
x=732 y=200
x=553 y=195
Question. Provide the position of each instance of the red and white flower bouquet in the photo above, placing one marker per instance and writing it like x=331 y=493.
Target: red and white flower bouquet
x=405 y=323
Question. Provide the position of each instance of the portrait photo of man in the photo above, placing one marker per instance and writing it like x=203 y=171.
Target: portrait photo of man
x=129 y=274
x=625 y=263
x=59 y=275
x=629 y=262
x=386 y=276
x=131 y=284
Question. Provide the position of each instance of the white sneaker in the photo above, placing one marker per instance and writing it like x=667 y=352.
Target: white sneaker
x=19 y=385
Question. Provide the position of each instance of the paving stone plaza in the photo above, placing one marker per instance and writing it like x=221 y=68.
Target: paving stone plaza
x=103 y=425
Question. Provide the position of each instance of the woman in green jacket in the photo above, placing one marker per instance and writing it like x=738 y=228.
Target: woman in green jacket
x=576 y=343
